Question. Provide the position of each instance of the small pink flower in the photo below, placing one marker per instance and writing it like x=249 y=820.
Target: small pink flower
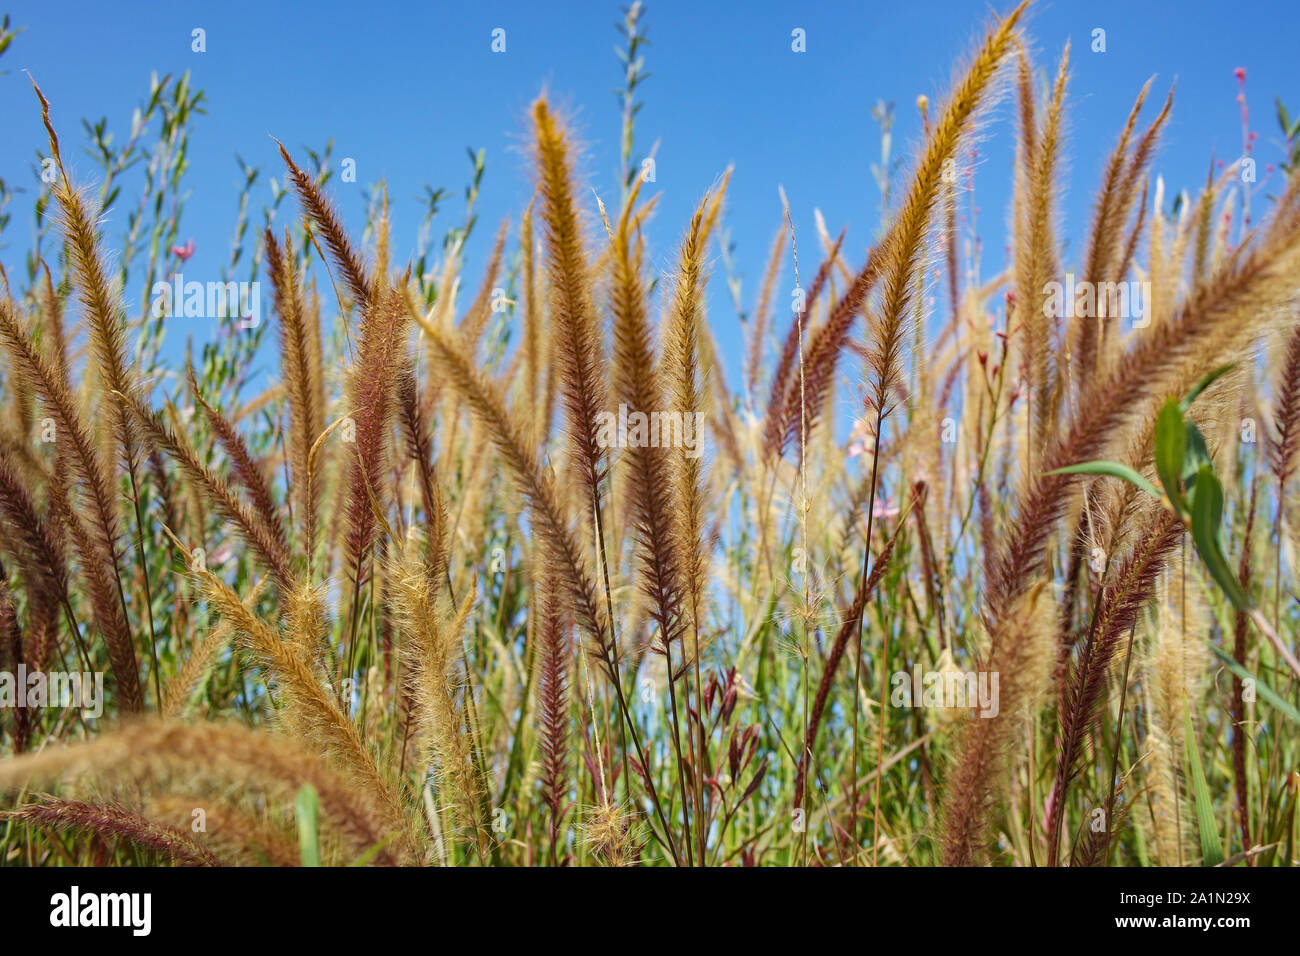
x=184 y=252
x=1240 y=74
x=860 y=439
x=885 y=509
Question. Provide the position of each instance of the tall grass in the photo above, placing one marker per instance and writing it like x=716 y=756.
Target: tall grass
x=448 y=575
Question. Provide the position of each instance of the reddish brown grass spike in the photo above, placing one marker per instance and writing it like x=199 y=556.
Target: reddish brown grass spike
x=116 y=824
x=1129 y=589
x=553 y=706
x=380 y=357
x=321 y=212
x=1286 y=441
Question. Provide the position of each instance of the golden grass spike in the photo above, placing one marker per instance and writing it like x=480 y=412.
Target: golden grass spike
x=199 y=662
x=682 y=369
x=579 y=347
x=310 y=710
x=316 y=365
x=1120 y=256
x=1173 y=668
x=381 y=236
x=476 y=316
x=654 y=471
x=763 y=313
x=295 y=369
x=1105 y=245
x=510 y=437
x=154 y=752
x=534 y=324
x=434 y=651
x=97 y=539
x=903 y=248
x=52 y=321
x=105 y=317
x=1037 y=260
x=231 y=833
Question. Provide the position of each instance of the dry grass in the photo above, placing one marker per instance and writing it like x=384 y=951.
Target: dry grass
x=426 y=578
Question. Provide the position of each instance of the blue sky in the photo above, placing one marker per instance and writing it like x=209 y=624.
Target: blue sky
x=405 y=88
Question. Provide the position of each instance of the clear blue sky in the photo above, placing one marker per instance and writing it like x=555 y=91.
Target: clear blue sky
x=405 y=88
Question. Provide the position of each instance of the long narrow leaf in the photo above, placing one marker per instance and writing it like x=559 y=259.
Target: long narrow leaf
x=1207 y=518
x=307 y=808
x=1203 y=384
x=1269 y=695
x=1211 y=849
x=1171 y=446
x=1112 y=469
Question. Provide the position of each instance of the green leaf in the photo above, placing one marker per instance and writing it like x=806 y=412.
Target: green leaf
x=1269 y=695
x=1211 y=849
x=1282 y=117
x=307 y=808
x=1205 y=383
x=1207 y=519
x=1171 y=445
x=1112 y=469
x=1196 y=455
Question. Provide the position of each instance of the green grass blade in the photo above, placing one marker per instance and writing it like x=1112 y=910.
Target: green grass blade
x=1270 y=696
x=1211 y=849
x=307 y=808
x=1205 y=383
x=1207 y=518
x=1112 y=469
x=1171 y=446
